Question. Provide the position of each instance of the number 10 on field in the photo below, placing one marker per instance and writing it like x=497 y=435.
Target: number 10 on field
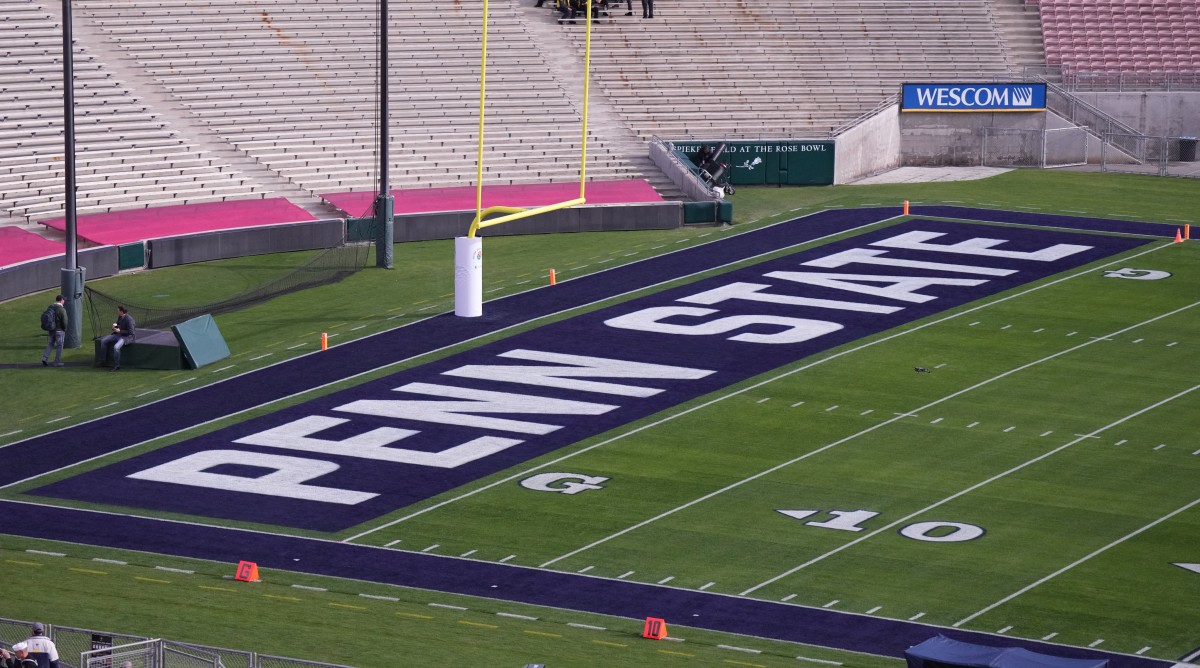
x=852 y=520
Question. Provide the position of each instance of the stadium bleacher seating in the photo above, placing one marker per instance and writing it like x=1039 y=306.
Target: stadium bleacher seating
x=127 y=156
x=1115 y=36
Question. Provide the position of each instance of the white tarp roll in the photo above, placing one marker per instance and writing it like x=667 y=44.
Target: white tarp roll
x=468 y=277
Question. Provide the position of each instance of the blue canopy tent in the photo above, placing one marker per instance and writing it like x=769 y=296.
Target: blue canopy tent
x=942 y=652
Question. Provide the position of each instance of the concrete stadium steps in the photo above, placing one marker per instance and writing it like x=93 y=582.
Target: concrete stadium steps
x=284 y=81
x=782 y=67
x=108 y=119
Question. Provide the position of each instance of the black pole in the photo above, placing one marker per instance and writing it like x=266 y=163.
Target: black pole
x=383 y=202
x=72 y=273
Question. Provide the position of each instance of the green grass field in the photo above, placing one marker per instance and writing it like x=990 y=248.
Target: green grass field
x=1058 y=424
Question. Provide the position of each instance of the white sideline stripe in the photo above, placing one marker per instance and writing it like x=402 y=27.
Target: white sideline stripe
x=1084 y=558
x=818 y=450
x=972 y=488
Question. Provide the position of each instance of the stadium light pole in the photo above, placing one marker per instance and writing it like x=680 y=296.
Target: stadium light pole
x=72 y=274
x=384 y=204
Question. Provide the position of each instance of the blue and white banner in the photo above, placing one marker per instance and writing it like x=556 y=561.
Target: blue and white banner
x=974 y=97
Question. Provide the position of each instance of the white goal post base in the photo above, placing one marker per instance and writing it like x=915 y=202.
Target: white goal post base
x=468 y=277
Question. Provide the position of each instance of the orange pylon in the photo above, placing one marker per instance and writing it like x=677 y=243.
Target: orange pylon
x=552 y=278
x=324 y=341
x=1187 y=231
x=906 y=207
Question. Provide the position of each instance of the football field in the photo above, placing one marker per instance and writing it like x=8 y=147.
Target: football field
x=962 y=421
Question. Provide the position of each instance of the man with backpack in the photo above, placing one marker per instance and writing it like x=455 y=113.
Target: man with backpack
x=54 y=323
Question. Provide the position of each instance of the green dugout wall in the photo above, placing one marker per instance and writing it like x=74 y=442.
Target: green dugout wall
x=773 y=162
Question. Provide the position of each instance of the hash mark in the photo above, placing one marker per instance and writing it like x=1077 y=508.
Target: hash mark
x=392 y=543
x=430 y=547
x=973 y=424
x=868 y=411
x=1039 y=330
x=1122 y=441
x=831 y=603
x=797 y=404
x=507 y=558
x=831 y=408
x=585 y=569
x=1009 y=429
x=186 y=380
x=468 y=553
x=59 y=419
x=706 y=586
x=916 y=617
x=874 y=610
x=301 y=344
x=1172 y=343
x=1143 y=650
x=625 y=575
x=936 y=420
x=1160 y=446
x=111 y=403
x=1047 y=433
x=1005 y=629
x=1072 y=333
x=787 y=598
x=666 y=579
x=261 y=356
x=1047 y=637
x=762 y=400
x=1096 y=642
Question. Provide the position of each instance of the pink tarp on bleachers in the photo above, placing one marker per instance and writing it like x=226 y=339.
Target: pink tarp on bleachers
x=122 y=227
x=18 y=245
x=425 y=200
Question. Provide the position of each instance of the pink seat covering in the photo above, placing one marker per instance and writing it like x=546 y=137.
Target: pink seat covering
x=18 y=245
x=427 y=200
x=122 y=227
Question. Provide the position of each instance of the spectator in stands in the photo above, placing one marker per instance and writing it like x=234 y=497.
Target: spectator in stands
x=567 y=9
x=57 y=333
x=647 y=9
x=41 y=649
x=122 y=335
x=628 y=6
x=18 y=658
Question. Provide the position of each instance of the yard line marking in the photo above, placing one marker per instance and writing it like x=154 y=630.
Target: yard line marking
x=543 y=633
x=787 y=598
x=831 y=603
x=215 y=588
x=186 y=380
x=116 y=562
x=347 y=606
x=479 y=624
x=254 y=359
x=706 y=586
x=1096 y=642
x=554 y=462
x=798 y=403
x=58 y=419
x=1122 y=441
x=225 y=368
x=666 y=579
x=47 y=554
x=585 y=569
x=308 y=588
x=468 y=553
x=1005 y=629
x=1049 y=636
x=741 y=649
x=972 y=425
x=831 y=408
x=916 y=617
x=762 y=400
x=936 y=420
x=111 y=403
x=174 y=570
x=1172 y=343
x=392 y=543
x=377 y=597
x=513 y=615
x=1047 y=433
x=22 y=563
x=1160 y=446
x=1009 y=429
x=431 y=547
x=507 y=558
x=589 y=627
x=446 y=606
x=976 y=486
x=1143 y=650
x=1039 y=330
x=824 y=661
x=1086 y=557
x=302 y=344
x=11 y=433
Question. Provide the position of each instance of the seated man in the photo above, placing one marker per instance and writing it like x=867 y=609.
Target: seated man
x=567 y=9
x=122 y=335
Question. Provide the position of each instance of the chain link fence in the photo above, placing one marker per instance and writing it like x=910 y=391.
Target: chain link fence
x=1158 y=156
x=88 y=648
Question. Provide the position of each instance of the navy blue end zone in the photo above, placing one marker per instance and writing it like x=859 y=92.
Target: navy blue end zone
x=336 y=462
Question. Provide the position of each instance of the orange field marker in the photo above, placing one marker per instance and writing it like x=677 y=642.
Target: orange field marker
x=553 y=279
x=656 y=628
x=324 y=340
x=247 y=571
x=906 y=207
x=1178 y=236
